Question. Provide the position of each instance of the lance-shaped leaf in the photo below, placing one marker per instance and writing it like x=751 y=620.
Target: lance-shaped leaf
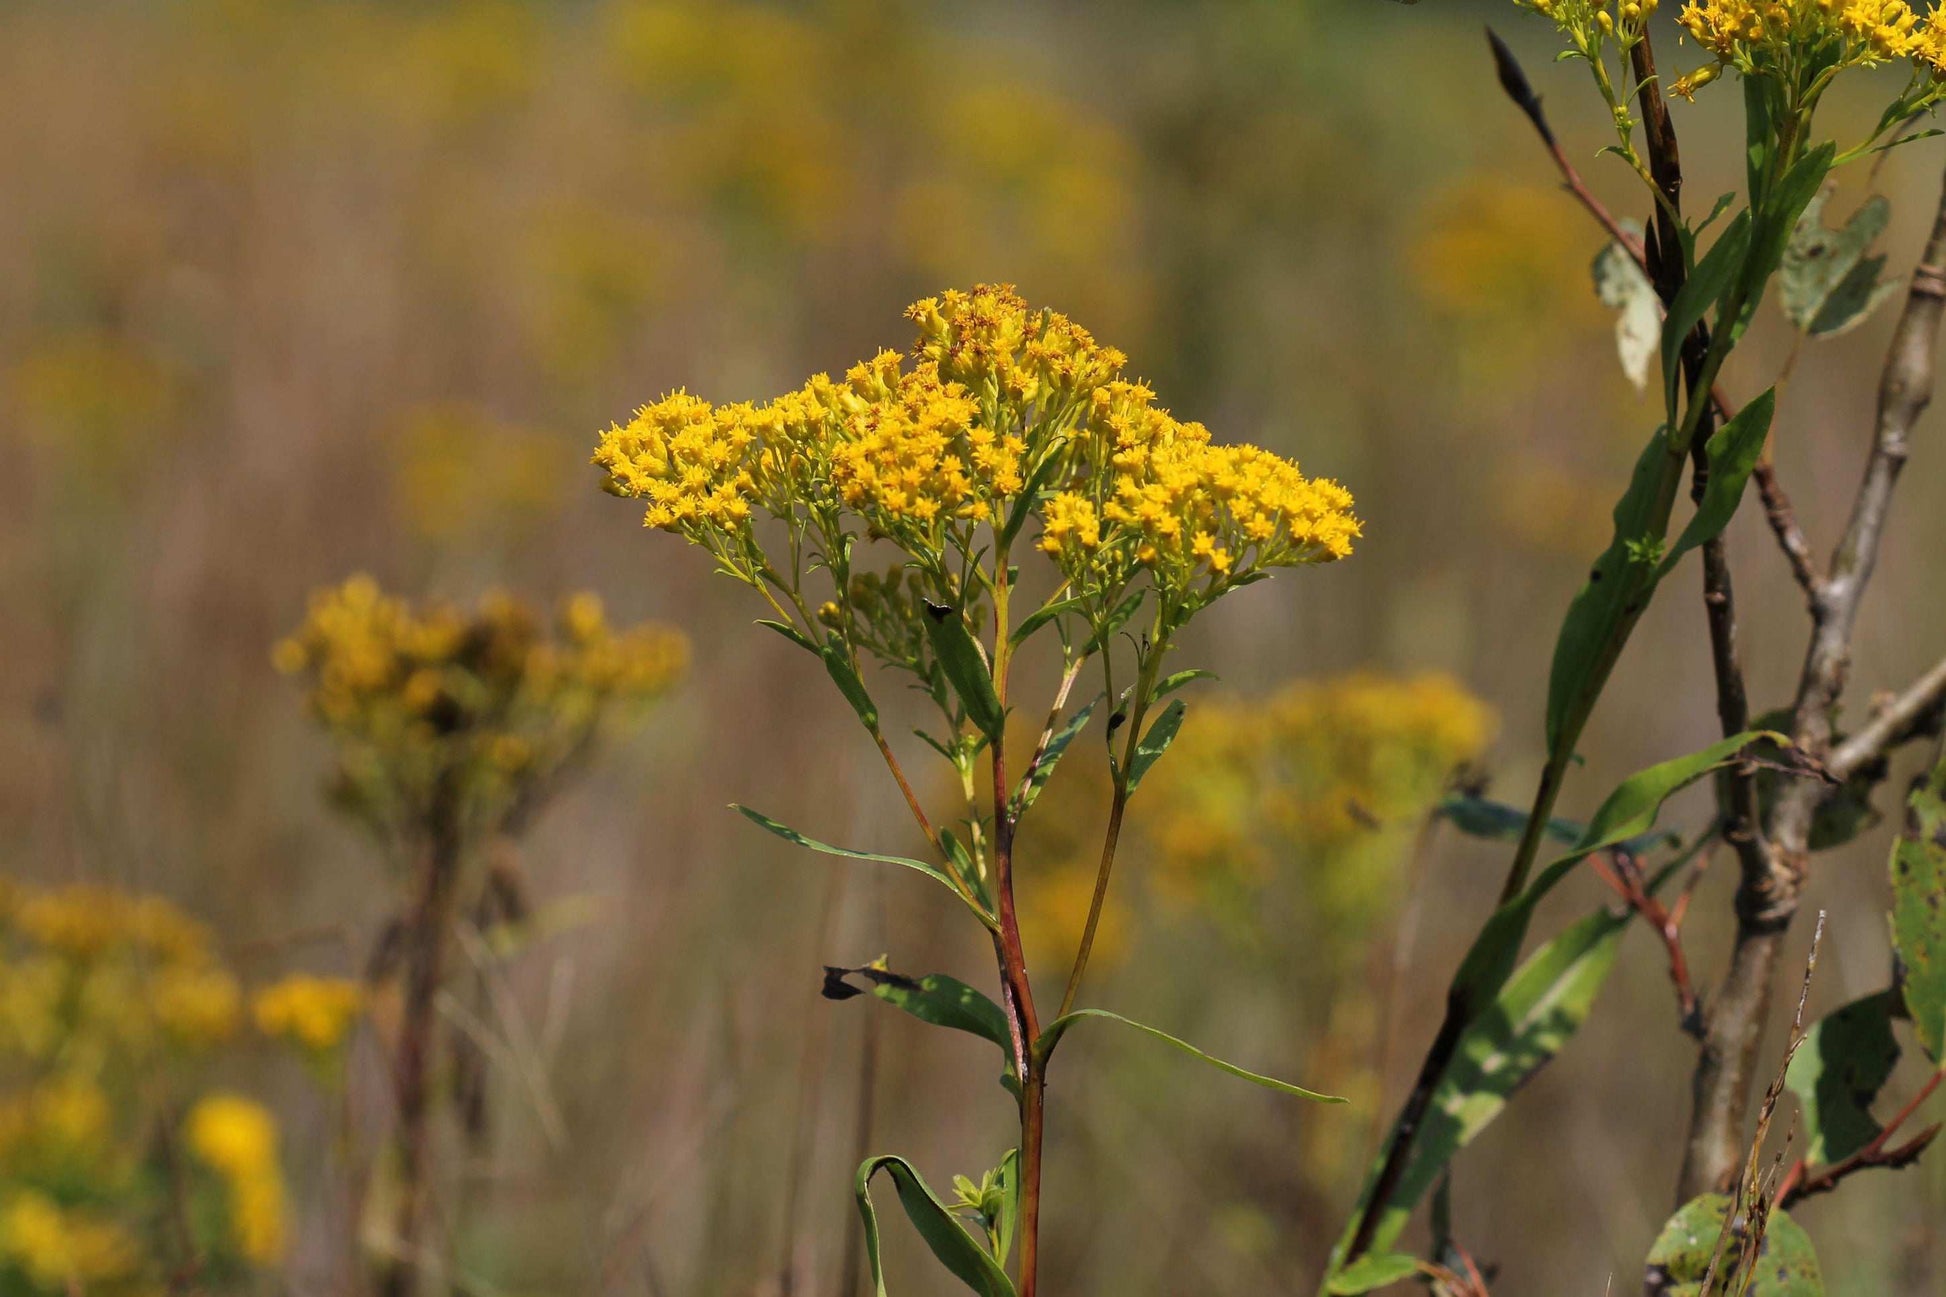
x=1919 y=912
x=1628 y=813
x=1622 y=287
x=1051 y=1036
x=965 y=667
x=842 y=675
x=1706 y=283
x=1786 y=1264
x=1481 y=817
x=951 y=1243
x=1154 y=742
x=1845 y=1060
x=1528 y=1023
x=935 y=998
x=789 y=834
x=1043 y=769
x=1733 y=451
x=1605 y=610
x=1372 y=1271
x=1826 y=282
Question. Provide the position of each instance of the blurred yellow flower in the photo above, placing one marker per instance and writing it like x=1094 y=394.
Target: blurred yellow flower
x=314 y=1013
x=63 y=1250
x=237 y=1138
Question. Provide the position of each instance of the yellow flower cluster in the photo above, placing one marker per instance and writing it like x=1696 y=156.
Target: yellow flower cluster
x=1305 y=790
x=237 y=1138
x=104 y=996
x=313 y=1013
x=478 y=707
x=63 y=1250
x=999 y=396
x=138 y=971
x=1795 y=39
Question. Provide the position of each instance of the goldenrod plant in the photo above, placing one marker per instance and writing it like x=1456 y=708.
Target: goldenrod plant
x=452 y=727
x=1788 y=782
x=881 y=517
x=121 y=1172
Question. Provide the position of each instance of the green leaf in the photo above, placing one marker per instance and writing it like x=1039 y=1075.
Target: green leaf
x=1008 y=1221
x=836 y=662
x=1030 y=787
x=1733 y=453
x=1170 y=683
x=1619 y=585
x=1826 y=282
x=1117 y=618
x=935 y=998
x=1373 y=1270
x=1779 y=213
x=791 y=633
x=1622 y=287
x=1628 y=813
x=1044 y=1048
x=965 y=667
x=1030 y=495
x=1528 y=1023
x=1845 y=1060
x=1786 y=1263
x=1154 y=742
x=1919 y=912
x=955 y=1248
x=1042 y=616
x=790 y=834
x=1706 y=283
x=1480 y=817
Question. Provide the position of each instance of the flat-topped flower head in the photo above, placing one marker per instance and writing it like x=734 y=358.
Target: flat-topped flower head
x=1001 y=416
x=472 y=706
x=1801 y=43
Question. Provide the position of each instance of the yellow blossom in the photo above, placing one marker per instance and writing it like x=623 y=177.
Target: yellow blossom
x=314 y=1013
x=63 y=1249
x=237 y=1138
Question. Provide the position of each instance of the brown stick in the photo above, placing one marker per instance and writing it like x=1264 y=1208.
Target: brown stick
x=1765 y=903
x=427 y=929
x=1624 y=876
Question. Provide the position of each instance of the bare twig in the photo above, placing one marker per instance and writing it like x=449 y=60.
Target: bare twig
x=1766 y=903
x=1895 y=723
x=1782 y=517
x=1623 y=875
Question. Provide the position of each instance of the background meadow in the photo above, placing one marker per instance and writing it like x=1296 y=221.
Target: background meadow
x=295 y=290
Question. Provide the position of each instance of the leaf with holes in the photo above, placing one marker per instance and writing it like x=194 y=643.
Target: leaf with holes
x=1826 y=282
x=1919 y=911
x=1786 y=1265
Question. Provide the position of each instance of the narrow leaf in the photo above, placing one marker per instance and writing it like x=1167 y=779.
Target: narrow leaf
x=1480 y=817
x=789 y=632
x=1714 y=273
x=1117 y=618
x=1529 y=1022
x=935 y=998
x=1043 y=770
x=1733 y=453
x=965 y=666
x=1170 y=683
x=1051 y=1037
x=790 y=834
x=955 y=1248
x=836 y=663
x=1160 y=734
x=1371 y=1271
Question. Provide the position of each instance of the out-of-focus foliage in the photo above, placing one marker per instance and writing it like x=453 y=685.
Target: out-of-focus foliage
x=113 y=1007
